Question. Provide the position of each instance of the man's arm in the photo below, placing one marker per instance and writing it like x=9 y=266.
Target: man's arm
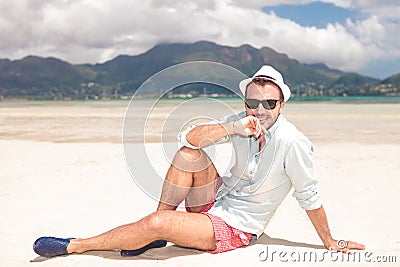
x=299 y=166
x=320 y=222
x=205 y=135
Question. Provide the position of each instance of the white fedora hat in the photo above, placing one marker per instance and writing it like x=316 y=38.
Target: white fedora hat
x=268 y=73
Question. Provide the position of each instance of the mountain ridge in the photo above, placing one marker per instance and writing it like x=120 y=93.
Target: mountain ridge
x=121 y=76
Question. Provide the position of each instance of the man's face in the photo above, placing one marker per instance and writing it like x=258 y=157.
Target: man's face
x=268 y=91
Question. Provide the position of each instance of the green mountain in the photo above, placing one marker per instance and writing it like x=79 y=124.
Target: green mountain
x=353 y=84
x=131 y=71
x=388 y=87
x=395 y=79
x=38 y=77
x=52 y=78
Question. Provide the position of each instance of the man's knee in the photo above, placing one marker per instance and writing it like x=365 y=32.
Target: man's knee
x=156 y=222
x=190 y=154
x=192 y=160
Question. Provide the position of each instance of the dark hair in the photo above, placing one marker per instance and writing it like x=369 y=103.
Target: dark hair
x=263 y=83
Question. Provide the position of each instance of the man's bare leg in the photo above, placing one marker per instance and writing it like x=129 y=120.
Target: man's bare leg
x=174 y=226
x=191 y=176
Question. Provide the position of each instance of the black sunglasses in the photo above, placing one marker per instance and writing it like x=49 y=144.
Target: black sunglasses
x=267 y=103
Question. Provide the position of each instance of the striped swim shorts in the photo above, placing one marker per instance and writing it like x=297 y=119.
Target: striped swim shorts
x=226 y=237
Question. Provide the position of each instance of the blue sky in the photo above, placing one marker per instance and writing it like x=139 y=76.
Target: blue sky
x=360 y=36
x=316 y=14
x=319 y=14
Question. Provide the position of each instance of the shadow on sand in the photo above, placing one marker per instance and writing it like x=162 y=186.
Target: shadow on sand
x=173 y=251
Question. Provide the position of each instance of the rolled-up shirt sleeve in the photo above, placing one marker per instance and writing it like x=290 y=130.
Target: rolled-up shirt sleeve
x=182 y=137
x=299 y=166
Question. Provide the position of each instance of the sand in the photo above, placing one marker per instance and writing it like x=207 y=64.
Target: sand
x=71 y=180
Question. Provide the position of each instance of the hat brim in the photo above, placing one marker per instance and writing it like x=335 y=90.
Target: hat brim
x=284 y=88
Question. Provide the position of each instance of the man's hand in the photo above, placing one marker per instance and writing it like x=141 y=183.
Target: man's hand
x=320 y=222
x=344 y=246
x=249 y=126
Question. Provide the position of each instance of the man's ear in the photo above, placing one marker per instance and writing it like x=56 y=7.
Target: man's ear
x=282 y=106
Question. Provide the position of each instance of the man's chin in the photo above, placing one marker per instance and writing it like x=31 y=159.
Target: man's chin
x=267 y=123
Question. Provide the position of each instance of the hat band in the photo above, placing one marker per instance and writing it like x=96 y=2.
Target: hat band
x=265 y=76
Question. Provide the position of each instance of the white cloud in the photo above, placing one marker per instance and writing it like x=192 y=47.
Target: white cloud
x=89 y=31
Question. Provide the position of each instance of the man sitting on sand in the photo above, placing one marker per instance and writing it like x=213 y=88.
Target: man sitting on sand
x=271 y=157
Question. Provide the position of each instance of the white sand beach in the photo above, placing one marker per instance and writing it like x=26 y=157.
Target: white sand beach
x=63 y=173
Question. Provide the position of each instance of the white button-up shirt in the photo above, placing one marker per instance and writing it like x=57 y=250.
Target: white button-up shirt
x=260 y=180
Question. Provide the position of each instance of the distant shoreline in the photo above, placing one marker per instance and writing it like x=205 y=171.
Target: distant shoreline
x=344 y=99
